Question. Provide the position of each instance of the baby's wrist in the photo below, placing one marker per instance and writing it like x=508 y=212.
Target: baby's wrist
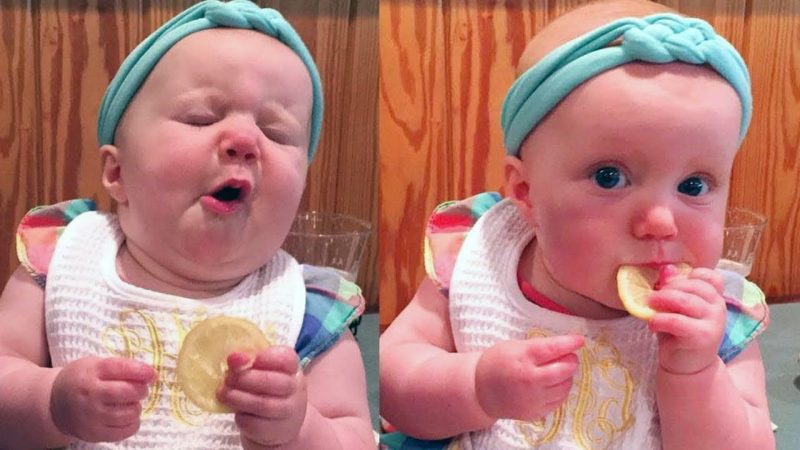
x=693 y=372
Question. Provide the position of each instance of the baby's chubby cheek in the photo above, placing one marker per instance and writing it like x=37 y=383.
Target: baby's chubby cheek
x=580 y=251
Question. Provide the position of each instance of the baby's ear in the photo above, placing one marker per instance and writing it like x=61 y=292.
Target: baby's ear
x=112 y=175
x=518 y=186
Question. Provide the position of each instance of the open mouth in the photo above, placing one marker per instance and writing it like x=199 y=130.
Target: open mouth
x=228 y=197
x=228 y=194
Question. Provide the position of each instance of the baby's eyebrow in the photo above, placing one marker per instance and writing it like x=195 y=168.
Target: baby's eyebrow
x=194 y=97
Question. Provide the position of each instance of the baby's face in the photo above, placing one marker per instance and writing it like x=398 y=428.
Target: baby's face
x=212 y=154
x=633 y=167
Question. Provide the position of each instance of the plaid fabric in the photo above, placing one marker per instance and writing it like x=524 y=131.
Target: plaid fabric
x=40 y=229
x=450 y=222
x=331 y=304
x=331 y=301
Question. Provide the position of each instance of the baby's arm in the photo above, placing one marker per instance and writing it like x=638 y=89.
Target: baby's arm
x=720 y=407
x=427 y=389
x=95 y=399
x=430 y=392
x=25 y=384
x=702 y=402
x=280 y=407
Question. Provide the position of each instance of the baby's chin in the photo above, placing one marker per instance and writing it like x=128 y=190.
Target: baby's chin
x=221 y=270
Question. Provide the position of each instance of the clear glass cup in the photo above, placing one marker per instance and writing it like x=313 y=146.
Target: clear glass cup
x=328 y=240
x=743 y=230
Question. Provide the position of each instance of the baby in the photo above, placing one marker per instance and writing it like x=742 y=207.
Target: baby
x=621 y=132
x=206 y=132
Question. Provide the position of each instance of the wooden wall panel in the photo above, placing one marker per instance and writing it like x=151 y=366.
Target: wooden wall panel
x=19 y=119
x=446 y=67
x=57 y=57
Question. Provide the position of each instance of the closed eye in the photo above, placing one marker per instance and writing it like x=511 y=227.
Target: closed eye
x=200 y=121
x=278 y=135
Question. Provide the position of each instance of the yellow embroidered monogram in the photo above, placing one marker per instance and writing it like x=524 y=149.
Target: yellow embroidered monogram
x=138 y=335
x=596 y=421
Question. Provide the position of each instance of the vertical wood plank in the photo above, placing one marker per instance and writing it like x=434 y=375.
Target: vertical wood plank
x=767 y=172
x=414 y=116
x=82 y=44
x=19 y=119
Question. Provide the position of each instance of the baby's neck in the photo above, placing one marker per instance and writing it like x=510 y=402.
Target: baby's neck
x=534 y=272
x=136 y=268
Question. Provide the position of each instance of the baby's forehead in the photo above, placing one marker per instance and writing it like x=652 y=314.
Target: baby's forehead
x=580 y=21
x=205 y=44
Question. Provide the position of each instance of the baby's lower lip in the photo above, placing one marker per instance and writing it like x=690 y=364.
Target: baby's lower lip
x=218 y=206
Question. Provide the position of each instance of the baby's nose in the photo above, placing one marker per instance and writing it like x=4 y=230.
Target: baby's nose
x=656 y=222
x=239 y=144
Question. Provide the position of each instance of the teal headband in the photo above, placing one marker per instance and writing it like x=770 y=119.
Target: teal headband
x=202 y=16
x=660 y=39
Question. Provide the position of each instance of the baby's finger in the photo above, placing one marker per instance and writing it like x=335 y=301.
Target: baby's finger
x=674 y=301
x=125 y=369
x=557 y=392
x=121 y=392
x=122 y=416
x=263 y=382
x=693 y=286
x=118 y=433
x=710 y=276
x=238 y=362
x=677 y=325
x=275 y=408
x=557 y=371
x=546 y=349
x=278 y=358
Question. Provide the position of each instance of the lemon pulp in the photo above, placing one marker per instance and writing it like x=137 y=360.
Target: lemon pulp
x=202 y=358
x=636 y=283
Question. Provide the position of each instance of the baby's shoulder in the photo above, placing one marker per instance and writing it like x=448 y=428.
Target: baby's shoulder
x=332 y=304
x=446 y=230
x=39 y=230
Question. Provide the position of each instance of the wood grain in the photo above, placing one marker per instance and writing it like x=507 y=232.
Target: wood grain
x=445 y=68
x=57 y=57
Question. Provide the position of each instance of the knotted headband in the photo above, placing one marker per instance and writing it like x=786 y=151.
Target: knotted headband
x=202 y=16
x=660 y=38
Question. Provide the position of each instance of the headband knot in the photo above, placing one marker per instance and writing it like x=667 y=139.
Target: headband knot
x=668 y=40
x=230 y=16
x=204 y=15
x=658 y=39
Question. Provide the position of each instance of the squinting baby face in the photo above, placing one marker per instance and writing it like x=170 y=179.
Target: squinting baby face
x=632 y=168
x=212 y=154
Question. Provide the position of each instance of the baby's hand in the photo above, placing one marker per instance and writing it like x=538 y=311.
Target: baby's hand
x=98 y=399
x=528 y=379
x=690 y=315
x=269 y=397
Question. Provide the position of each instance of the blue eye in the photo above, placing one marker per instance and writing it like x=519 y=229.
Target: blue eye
x=693 y=186
x=609 y=177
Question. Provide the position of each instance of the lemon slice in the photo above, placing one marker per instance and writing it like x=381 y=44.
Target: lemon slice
x=636 y=283
x=202 y=360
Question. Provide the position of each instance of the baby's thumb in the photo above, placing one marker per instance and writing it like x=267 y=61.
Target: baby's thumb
x=124 y=369
x=546 y=349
